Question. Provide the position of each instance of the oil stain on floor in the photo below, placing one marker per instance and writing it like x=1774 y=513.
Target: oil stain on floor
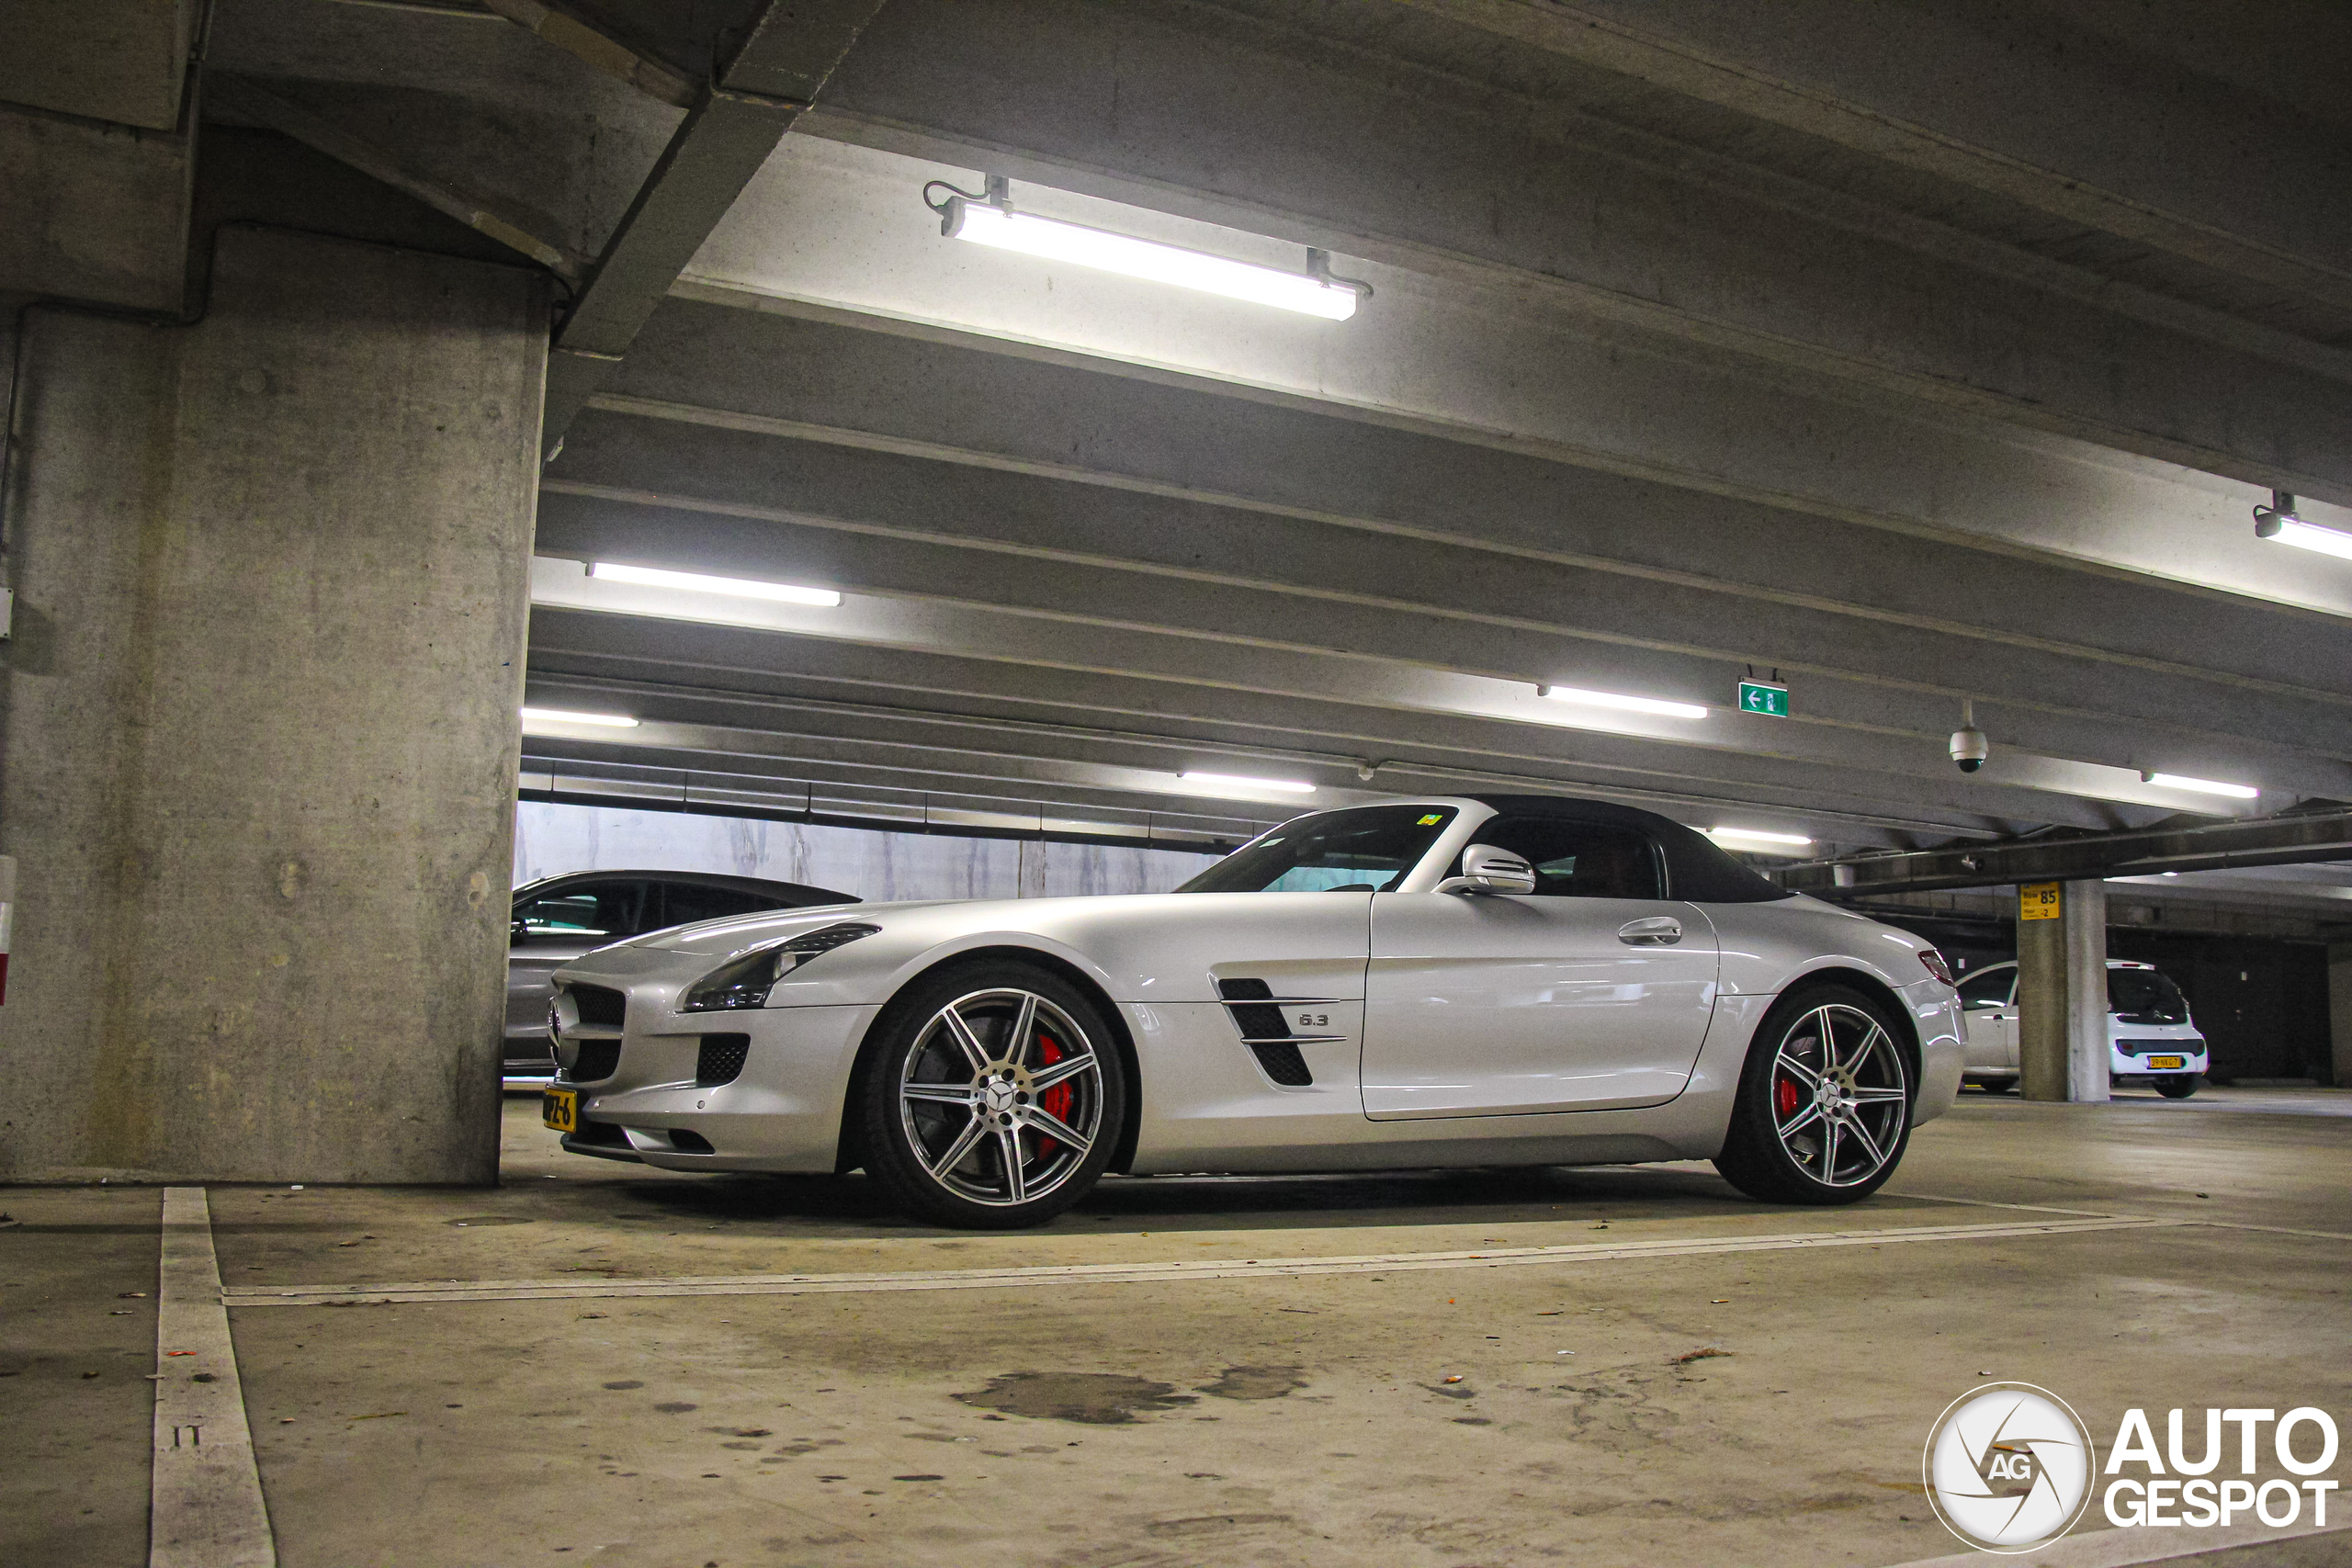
x=1101 y=1399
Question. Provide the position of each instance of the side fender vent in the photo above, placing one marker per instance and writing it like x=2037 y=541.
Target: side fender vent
x=1265 y=1030
x=1282 y=1063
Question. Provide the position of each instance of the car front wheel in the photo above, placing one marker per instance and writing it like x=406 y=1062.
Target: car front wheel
x=1823 y=1109
x=993 y=1097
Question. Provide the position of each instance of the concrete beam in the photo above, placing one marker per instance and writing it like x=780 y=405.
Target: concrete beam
x=600 y=49
x=786 y=54
x=758 y=501
x=1000 y=678
x=2319 y=836
x=833 y=232
x=97 y=214
x=2170 y=135
x=123 y=60
x=1403 y=167
x=705 y=364
x=243 y=101
x=1925 y=800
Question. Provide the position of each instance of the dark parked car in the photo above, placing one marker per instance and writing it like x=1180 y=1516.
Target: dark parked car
x=559 y=919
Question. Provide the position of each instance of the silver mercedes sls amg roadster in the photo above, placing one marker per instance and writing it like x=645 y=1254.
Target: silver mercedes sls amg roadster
x=1472 y=980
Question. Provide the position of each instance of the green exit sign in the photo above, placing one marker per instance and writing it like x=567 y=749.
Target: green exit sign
x=1762 y=696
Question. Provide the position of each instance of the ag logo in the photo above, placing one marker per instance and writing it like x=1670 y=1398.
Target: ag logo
x=2008 y=1467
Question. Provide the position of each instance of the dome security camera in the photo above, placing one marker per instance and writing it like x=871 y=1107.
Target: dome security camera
x=1969 y=747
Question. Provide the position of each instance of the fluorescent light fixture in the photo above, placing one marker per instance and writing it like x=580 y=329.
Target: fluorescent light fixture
x=2199 y=786
x=563 y=716
x=1217 y=782
x=1001 y=228
x=1796 y=841
x=695 y=583
x=2277 y=521
x=1630 y=705
x=2304 y=536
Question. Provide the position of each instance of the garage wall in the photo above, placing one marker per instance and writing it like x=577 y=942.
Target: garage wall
x=878 y=866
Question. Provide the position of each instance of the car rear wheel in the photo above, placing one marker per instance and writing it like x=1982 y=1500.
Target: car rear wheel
x=2179 y=1088
x=1823 y=1109
x=993 y=1097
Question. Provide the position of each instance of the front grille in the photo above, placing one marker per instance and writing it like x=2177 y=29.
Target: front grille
x=601 y=1134
x=598 y=1006
x=1282 y=1063
x=594 y=1061
x=720 y=1059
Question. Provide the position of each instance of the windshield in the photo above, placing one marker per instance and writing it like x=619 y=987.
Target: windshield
x=1367 y=848
x=2144 y=996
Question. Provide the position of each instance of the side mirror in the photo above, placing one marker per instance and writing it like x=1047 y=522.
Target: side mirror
x=1487 y=869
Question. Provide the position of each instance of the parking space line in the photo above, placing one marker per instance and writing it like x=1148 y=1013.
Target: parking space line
x=1142 y=1273
x=2044 y=1209
x=2133 y=1546
x=205 y=1507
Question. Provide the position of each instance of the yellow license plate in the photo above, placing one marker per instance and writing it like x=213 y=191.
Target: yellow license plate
x=560 y=1108
x=2158 y=1063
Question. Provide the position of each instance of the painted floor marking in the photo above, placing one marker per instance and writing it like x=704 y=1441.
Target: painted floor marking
x=1138 y=1273
x=205 y=1507
x=2045 y=1208
x=2136 y=1546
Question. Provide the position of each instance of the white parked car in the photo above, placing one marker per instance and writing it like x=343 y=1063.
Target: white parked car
x=1476 y=980
x=2151 y=1038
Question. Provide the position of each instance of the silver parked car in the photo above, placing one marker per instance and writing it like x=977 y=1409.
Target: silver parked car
x=558 y=918
x=1466 y=981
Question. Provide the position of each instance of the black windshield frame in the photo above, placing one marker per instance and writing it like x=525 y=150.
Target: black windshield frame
x=1357 y=849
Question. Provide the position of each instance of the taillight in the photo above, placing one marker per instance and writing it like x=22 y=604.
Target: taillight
x=1933 y=963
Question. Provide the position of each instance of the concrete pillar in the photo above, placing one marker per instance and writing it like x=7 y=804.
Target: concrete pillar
x=2339 y=1013
x=259 y=765
x=2087 y=1053
x=2062 y=994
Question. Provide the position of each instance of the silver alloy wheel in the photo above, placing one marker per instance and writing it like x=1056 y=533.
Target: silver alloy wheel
x=1001 y=1097
x=1840 y=1095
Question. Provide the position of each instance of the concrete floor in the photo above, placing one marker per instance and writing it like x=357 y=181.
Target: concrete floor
x=1070 y=1425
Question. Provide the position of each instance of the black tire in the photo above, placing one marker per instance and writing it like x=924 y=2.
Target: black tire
x=1785 y=1132
x=954 y=1124
x=2179 y=1088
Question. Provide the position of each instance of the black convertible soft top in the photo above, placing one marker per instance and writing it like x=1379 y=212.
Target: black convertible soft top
x=1697 y=869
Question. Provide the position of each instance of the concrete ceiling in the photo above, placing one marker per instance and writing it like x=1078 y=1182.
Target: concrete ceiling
x=1919 y=356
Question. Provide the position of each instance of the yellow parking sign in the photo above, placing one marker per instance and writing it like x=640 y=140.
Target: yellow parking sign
x=2038 y=901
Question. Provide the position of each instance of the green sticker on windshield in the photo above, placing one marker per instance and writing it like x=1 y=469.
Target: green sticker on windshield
x=1433 y=817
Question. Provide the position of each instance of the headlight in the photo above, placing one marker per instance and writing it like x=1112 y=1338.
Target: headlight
x=745 y=981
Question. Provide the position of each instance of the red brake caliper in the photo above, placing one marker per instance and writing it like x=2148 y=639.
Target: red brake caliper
x=1055 y=1101
x=1785 y=1097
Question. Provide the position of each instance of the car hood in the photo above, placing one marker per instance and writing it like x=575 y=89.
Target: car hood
x=736 y=932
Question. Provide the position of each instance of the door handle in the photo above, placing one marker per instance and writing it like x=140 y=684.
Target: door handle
x=1655 y=930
